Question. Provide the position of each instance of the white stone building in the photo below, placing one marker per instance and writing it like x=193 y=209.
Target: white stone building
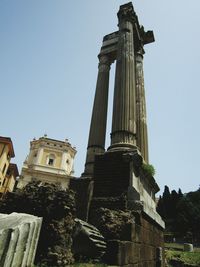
x=49 y=161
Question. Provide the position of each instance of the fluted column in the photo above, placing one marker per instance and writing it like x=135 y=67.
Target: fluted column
x=124 y=109
x=142 y=137
x=96 y=142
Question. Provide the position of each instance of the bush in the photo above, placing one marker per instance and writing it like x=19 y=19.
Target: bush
x=149 y=169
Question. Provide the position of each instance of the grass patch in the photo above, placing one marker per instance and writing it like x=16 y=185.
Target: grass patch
x=185 y=257
x=174 y=246
x=175 y=252
x=179 y=247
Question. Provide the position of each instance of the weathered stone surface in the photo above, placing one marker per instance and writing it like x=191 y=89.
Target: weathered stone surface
x=111 y=175
x=83 y=188
x=87 y=241
x=132 y=237
x=19 y=234
x=116 y=185
x=114 y=224
x=122 y=252
x=96 y=142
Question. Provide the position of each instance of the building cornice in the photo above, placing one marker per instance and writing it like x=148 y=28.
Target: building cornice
x=8 y=141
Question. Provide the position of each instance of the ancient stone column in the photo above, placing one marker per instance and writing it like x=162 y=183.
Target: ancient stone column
x=96 y=142
x=124 y=109
x=141 y=123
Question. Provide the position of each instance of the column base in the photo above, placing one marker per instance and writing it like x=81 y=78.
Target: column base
x=122 y=147
x=89 y=170
x=92 y=151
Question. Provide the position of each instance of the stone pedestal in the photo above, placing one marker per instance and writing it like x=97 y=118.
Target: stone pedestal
x=132 y=238
x=119 y=175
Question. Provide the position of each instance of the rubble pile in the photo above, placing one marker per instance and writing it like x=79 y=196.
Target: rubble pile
x=57 y=207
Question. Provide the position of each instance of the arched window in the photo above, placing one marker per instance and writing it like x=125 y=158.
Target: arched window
x=51 y=159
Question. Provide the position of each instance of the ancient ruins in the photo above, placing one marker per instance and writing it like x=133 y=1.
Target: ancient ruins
x=19 y=236
x=116 y=183
x=110 y=216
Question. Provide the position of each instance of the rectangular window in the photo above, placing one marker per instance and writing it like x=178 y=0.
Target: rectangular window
x=4 y=182
x=8 y=173
x=4 y=168
x=50 y=162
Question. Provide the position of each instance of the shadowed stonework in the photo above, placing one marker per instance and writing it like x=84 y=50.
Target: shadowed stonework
x=115 y=183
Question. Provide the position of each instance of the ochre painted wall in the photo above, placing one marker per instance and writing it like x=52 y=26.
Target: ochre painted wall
x=3 y=160
x=57 y=161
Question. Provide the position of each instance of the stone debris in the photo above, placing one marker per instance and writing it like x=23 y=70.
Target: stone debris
x=87 y=241
x=57 y=208
x=19 y=234
x=188 y=247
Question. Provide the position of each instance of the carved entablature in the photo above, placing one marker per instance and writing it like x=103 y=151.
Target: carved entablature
x=141 y=37
x=109 y=46
x=147 y=37
x=126 y=12
x=111 y=36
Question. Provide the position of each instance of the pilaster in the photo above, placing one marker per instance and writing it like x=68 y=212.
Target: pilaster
x=63 y=161
x=39 y=156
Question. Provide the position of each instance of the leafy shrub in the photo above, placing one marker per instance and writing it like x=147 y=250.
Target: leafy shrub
x=149 y=169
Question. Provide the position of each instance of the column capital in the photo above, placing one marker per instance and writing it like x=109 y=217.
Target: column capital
x=126 y=12
x=104 y=62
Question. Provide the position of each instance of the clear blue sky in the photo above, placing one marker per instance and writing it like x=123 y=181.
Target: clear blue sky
x=48 y=70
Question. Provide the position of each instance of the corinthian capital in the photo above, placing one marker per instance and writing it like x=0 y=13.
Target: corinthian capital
x=127 y=12
x=104 y=62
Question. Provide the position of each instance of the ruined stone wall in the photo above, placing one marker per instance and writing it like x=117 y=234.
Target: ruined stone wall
x=133 y=240
x=57 y=208
x=83 y=188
